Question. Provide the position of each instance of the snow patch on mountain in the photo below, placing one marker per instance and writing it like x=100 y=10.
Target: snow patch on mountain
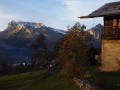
x=59 y=31
x=21 y=24
x=30 y=27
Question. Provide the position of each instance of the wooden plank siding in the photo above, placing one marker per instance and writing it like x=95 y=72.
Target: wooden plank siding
x=111 y=27
x=111 y=32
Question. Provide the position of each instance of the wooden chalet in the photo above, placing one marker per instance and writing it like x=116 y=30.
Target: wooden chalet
x=110 y=36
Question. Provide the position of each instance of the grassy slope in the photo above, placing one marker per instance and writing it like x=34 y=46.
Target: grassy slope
x=107 y=80
x=36 y=81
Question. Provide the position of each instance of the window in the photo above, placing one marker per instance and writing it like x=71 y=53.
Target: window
x=119 y=22
x=114 y=22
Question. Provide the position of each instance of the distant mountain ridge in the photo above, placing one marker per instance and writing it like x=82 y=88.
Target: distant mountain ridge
x=96 y=33
x=29 y=29
x=16 y=39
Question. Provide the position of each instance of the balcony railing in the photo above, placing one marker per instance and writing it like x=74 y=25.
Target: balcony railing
x=111 y=32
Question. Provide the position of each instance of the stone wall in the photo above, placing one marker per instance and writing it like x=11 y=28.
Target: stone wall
x=110 y=55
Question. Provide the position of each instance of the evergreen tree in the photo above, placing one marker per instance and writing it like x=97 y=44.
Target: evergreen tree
x=40 y=51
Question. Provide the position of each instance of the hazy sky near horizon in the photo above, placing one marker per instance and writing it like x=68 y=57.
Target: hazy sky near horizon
x=54 y=13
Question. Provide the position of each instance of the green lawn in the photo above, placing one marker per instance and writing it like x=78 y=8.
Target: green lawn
x=106 y=80
x=36 y=80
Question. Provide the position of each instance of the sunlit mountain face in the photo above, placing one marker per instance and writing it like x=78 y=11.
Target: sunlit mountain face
x=96 y=33
x=16 y=39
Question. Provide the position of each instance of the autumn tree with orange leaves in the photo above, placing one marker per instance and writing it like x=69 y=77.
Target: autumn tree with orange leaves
x=73 y=52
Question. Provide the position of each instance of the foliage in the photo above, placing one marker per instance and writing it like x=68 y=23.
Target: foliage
x=9 y=69
x=20 y=69
x=40 y=51
x=73 y=52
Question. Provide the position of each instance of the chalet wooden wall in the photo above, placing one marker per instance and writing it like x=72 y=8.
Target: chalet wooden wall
x=111 y=27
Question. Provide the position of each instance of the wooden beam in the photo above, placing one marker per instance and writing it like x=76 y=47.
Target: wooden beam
x=82 y=17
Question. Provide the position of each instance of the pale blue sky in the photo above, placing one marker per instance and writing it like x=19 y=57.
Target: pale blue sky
x=54 y=13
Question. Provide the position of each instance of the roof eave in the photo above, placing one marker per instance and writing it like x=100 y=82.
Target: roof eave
x=83 y=17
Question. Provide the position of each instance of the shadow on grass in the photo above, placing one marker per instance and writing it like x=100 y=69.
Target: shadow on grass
x=106 y=80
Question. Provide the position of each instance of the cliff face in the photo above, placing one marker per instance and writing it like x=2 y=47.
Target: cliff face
x=15 y=41
x=96 y=31
x=96 y=34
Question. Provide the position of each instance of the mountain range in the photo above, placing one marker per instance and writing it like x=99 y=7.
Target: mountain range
x=16 y=39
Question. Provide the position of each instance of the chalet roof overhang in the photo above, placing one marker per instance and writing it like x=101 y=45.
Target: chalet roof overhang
x=109 y=9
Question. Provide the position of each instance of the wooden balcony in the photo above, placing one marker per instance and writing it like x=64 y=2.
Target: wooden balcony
x=111 y=32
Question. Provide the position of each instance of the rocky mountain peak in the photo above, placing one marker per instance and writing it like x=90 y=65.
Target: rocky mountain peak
x=21 y=29
x=12 y=23
x=18 y=36
x=24 y=24
x=96 y=31
x=99 y=26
